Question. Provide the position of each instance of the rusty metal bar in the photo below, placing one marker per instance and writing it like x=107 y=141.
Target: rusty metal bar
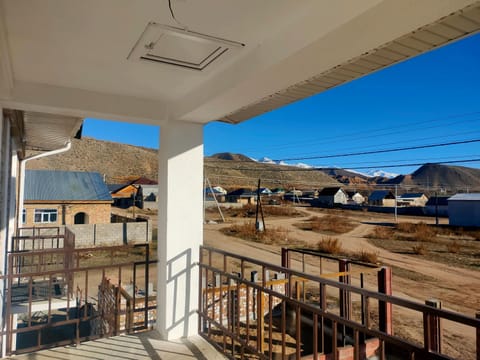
x=385 y=311
x=432 y=328
x=298 y=331
x=477 y=316
x=270 y=327
x=283 y=327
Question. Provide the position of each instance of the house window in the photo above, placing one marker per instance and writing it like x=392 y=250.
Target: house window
x=24 y=216
x=46 y=215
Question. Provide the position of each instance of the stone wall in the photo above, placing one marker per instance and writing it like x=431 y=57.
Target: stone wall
x=112 y=234
x=89 y=235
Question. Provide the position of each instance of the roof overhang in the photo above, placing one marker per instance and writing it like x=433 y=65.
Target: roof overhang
x=41 y=131
x=73 y=58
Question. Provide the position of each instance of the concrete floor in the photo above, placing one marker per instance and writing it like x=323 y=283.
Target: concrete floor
x=147 y=345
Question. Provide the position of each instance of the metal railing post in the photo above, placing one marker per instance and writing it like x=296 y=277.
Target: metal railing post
x=385 y=308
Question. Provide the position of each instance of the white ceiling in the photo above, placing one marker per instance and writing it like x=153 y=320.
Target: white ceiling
x=69 y=57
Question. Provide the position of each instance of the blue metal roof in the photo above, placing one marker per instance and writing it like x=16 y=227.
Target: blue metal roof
x=380 y=195
x=411 y=195
x=468 y=196
x=65 y=185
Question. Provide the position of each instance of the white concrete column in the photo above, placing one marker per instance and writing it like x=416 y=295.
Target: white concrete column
x=180 y=228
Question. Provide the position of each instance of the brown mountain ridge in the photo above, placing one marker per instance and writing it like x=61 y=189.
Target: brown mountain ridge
x=118 y=161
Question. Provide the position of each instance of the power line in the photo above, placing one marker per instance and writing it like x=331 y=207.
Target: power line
x=406 y=127
x=336 y=168
x=381 y=151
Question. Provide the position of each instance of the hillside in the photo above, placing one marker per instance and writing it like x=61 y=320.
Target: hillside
x=114 y=160
x=246 y=172
x=119 y=161
x=451 y=178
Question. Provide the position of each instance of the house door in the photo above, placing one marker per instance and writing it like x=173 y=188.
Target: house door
x=80 y=218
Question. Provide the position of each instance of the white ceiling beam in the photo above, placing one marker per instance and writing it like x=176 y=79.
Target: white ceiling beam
x=83 y=104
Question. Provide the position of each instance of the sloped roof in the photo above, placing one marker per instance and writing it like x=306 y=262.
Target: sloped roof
x=115 y=187
x=469 y=197
x=241 y=192
x=411 y=195
x=329 y=191
x=380 y=195
x=65 y=185
x=144 y=181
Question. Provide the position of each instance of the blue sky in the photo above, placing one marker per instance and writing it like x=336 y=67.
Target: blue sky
x=431 y=99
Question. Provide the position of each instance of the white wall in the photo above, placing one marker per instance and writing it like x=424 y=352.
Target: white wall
x=180 y=228
x=8 y=167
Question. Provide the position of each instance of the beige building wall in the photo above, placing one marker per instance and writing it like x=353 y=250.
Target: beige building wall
x=96 y=213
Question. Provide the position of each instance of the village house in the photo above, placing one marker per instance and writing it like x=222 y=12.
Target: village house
x=310 y=193
x=464 y=210
x=126 y=195
x=54 y=198
x=412 y=199
x=243 y=196
x=355 y=197
x=149 y=188
x=332 y=195
x=381 y=198
x=215 y=192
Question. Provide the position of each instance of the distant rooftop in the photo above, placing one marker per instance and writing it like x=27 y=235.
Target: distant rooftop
x=470 y=197
x=41 y=185
x=411 y=195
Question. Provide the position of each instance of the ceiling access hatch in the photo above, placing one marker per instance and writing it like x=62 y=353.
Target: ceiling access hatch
x=181 y=47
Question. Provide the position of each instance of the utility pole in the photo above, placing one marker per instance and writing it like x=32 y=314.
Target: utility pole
x=436 y=209
x=259 y=226
x=396 y=214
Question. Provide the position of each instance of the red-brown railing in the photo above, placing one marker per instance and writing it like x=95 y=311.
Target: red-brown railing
x=314 y=327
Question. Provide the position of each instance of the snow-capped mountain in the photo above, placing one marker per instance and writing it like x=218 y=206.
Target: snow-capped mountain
x=267 y=160
x=382 y=173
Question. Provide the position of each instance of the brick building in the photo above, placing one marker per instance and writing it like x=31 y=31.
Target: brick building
x=54 y=198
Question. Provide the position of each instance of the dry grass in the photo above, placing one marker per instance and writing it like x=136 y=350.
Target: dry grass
x=249 y=211
x=416 y=232
x=454 y=247
x=381 y=232
x=366 y=256
x=420 y=249
x=328 y=223
x=425 y=233
x=329 y=245
x=247 y=231
x=405 y=227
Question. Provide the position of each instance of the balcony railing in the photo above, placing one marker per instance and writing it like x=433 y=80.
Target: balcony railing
x=58 y=295
x=248 y=314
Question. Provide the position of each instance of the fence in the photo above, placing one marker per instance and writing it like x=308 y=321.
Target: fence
x=314 y=327
x=64 y=295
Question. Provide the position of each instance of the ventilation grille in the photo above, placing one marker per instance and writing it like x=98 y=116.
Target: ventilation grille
x=180 y=47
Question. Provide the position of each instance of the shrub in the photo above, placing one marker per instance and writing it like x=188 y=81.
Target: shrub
x=454 y=247
x=329 y=245
x=405 y=227
x=381 y=232
x=247 y=231
x=423 y=232
x=367 y=256
x=420 y=249
x=330 y=223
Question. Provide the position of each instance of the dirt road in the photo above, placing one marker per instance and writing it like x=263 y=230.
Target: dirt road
x=413 y=277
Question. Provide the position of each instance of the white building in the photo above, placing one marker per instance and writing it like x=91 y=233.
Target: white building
x=464 y=210
x=65 y=60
